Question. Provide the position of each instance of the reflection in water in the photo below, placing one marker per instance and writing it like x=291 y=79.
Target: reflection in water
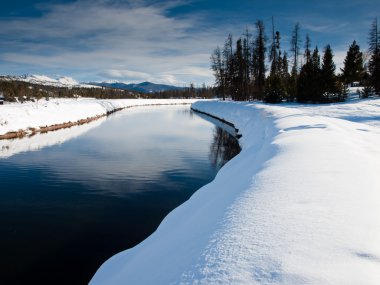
x=223 y=148
x=71 y=199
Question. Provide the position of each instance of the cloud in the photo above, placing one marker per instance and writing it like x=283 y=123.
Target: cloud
x=113 y=73
x=332 y=28
x=124 y=39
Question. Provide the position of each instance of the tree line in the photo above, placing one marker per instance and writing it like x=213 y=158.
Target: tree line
x=14 y=90
x=204 y=92
x=241 y=70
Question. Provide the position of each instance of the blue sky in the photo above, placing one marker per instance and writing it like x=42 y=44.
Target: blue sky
x=160 y=41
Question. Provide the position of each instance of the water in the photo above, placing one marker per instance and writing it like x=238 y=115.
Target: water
x=71 y=199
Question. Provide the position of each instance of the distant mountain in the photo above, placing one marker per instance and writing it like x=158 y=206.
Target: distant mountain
x=63 y=81
x=69 y=82
x=144 y=87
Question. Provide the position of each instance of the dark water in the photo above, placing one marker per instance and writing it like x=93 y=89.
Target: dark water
x=67 y=207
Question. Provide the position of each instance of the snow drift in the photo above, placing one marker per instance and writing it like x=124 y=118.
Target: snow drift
x=299 y=205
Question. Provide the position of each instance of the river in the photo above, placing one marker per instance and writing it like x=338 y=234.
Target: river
x=71 y=199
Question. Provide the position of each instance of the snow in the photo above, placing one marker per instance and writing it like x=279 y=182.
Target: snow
x=39 y=141
x=299 y=205
x=68 y=81
x=63 y=81
x=17 y=116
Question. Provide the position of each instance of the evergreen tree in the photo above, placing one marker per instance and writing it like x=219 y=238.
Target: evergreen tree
x=275 y=90
x=295 y=47
x=219 y=71
x=353 y=69
x=309 y=83
x=287 y=79
x=306 y=77
x=275 y=48
x=285 y=66
x=228 y=64
x=374 y=63
x=259 y=60
x=246 y=60
x=374 y=34
x=307 y=49
x=328 y=70
x=275 y=54
x=330 y=88
x=238 y=76
x=295 y=52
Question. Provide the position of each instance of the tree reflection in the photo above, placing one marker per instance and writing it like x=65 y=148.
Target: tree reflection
x=223 y=148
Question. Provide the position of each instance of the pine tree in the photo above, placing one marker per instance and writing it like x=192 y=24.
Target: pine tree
x=309 y=83
x=295 y=47
x=238 y=76
x=353 y=69
x=295 y=52
x=274 y=49
x=228 y=64
x=374 y=63
x=287 y=79
x=259 y=60
x=246 y=58
x=328 y=78
x=328 y=70
x=219 y=71
x=275 y=53
x=275 y=90
x=307 y=49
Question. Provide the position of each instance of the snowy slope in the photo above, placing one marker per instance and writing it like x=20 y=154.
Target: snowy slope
x=16 y=116
x=63 y=81
x=299 y=205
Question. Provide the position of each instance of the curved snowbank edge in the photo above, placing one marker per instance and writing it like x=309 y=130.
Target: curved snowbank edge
x=20 y=120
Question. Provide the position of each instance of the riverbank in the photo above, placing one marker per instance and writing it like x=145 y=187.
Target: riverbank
x=27 y=119
x=298 y=205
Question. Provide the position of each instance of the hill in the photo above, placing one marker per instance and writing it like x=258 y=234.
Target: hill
x=143 y=87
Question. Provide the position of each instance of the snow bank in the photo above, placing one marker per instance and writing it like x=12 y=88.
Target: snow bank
x=39 y=141
x=15 y=117
x=299 y=205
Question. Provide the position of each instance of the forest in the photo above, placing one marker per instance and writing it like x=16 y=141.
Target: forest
x=16 y=90
x=257 y=68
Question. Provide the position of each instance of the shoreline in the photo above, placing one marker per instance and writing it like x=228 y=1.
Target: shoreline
x=30 y=132
x=257 y=216
x=238 y=135
x=33 y=130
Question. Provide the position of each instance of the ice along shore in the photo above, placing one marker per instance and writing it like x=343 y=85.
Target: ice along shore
x=298 y=205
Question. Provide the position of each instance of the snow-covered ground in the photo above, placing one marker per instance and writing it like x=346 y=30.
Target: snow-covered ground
x=299 y=205
x=17 y=116
x=39 y=141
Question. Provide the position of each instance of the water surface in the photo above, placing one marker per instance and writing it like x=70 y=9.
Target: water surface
x=69 y=205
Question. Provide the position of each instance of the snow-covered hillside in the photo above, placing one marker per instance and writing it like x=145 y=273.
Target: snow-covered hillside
x=299 y=205
x=63 y=81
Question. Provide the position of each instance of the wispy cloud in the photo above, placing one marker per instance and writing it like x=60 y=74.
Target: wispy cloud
x=162 y=41
x=128 y=40
x=331 y=28
x=121 y=74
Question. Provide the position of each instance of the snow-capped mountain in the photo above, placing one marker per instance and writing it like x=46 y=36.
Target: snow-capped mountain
x=69 y=82
x=63 y=81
